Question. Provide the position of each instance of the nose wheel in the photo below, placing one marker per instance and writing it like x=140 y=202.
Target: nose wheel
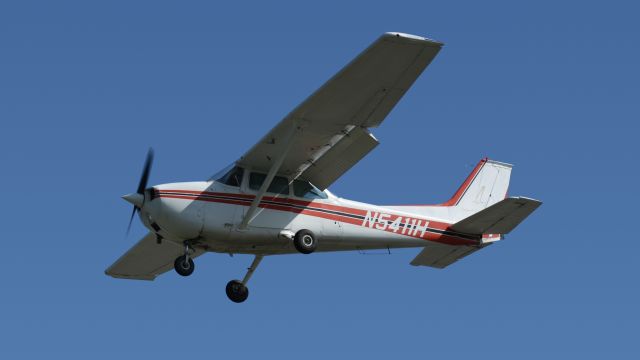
x=237 y=291
x=184 y=264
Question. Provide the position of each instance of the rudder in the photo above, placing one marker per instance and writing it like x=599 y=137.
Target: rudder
x=486 y=185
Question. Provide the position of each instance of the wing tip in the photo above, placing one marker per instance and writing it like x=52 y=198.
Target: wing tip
x=411 y=37
x=129 y=277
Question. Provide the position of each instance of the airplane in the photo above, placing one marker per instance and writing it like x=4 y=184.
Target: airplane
x=274 y=199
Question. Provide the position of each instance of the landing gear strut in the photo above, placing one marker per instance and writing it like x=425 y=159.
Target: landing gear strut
x=237 y=290
x=184 y=264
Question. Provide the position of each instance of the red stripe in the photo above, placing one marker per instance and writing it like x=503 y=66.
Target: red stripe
x=274 y=199
x=353 y=211
x=286 y=206
x=465 y=185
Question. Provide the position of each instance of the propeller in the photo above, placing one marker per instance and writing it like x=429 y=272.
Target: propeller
x=137 y=198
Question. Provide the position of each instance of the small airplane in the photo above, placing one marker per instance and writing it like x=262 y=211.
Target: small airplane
x=274 y=199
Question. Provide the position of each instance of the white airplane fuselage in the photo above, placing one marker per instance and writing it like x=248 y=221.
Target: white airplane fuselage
x=208 y=213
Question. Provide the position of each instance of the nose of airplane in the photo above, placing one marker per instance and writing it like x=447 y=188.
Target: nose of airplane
x=134 y=198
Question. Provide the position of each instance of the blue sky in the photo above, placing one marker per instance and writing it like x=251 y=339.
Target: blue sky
x=86 y=88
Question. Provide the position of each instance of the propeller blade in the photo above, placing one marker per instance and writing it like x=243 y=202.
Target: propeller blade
x=145 y=172
x=141 y=186
x=131 y=220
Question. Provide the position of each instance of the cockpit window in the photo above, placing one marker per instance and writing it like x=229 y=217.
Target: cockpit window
x=233 y=177
x=305 y=189
x=279 y=184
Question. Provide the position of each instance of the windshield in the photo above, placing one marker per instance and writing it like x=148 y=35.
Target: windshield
x=222 y=172
x=231 y=175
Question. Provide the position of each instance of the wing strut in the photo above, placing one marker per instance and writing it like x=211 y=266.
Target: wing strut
x=288 y=140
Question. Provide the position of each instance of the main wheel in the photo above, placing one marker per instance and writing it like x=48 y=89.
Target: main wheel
x=237 y=291
x=305 y=241
x=184 y=267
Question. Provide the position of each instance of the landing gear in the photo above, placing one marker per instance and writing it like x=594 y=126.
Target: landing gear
x=184 y=264
x=305 y=241
x=237 y=290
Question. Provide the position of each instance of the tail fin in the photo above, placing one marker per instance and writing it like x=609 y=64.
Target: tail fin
x=479 y=207
x=486 y=185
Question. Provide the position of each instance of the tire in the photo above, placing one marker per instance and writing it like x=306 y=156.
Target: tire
x=305 y=241
x=237 y=291
x=182 y=267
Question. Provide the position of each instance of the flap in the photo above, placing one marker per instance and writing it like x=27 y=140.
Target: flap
x=340 y=157
x=499 y=218
x=442 y=255
x=147 y=259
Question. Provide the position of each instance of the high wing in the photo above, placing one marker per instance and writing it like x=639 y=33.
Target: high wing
x=147 y=259
x=327 y=134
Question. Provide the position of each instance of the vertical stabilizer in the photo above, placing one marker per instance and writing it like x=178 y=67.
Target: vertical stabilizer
x=486 y=185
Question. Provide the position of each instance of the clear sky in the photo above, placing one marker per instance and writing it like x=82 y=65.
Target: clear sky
x=86 y=88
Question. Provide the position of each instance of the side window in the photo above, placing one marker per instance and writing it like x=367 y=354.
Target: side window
x=279 y=185
x=233 y=177
x=305 y=189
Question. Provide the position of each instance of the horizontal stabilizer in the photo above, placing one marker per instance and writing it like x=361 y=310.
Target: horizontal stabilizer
x=499 y=218
x=441 y=255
